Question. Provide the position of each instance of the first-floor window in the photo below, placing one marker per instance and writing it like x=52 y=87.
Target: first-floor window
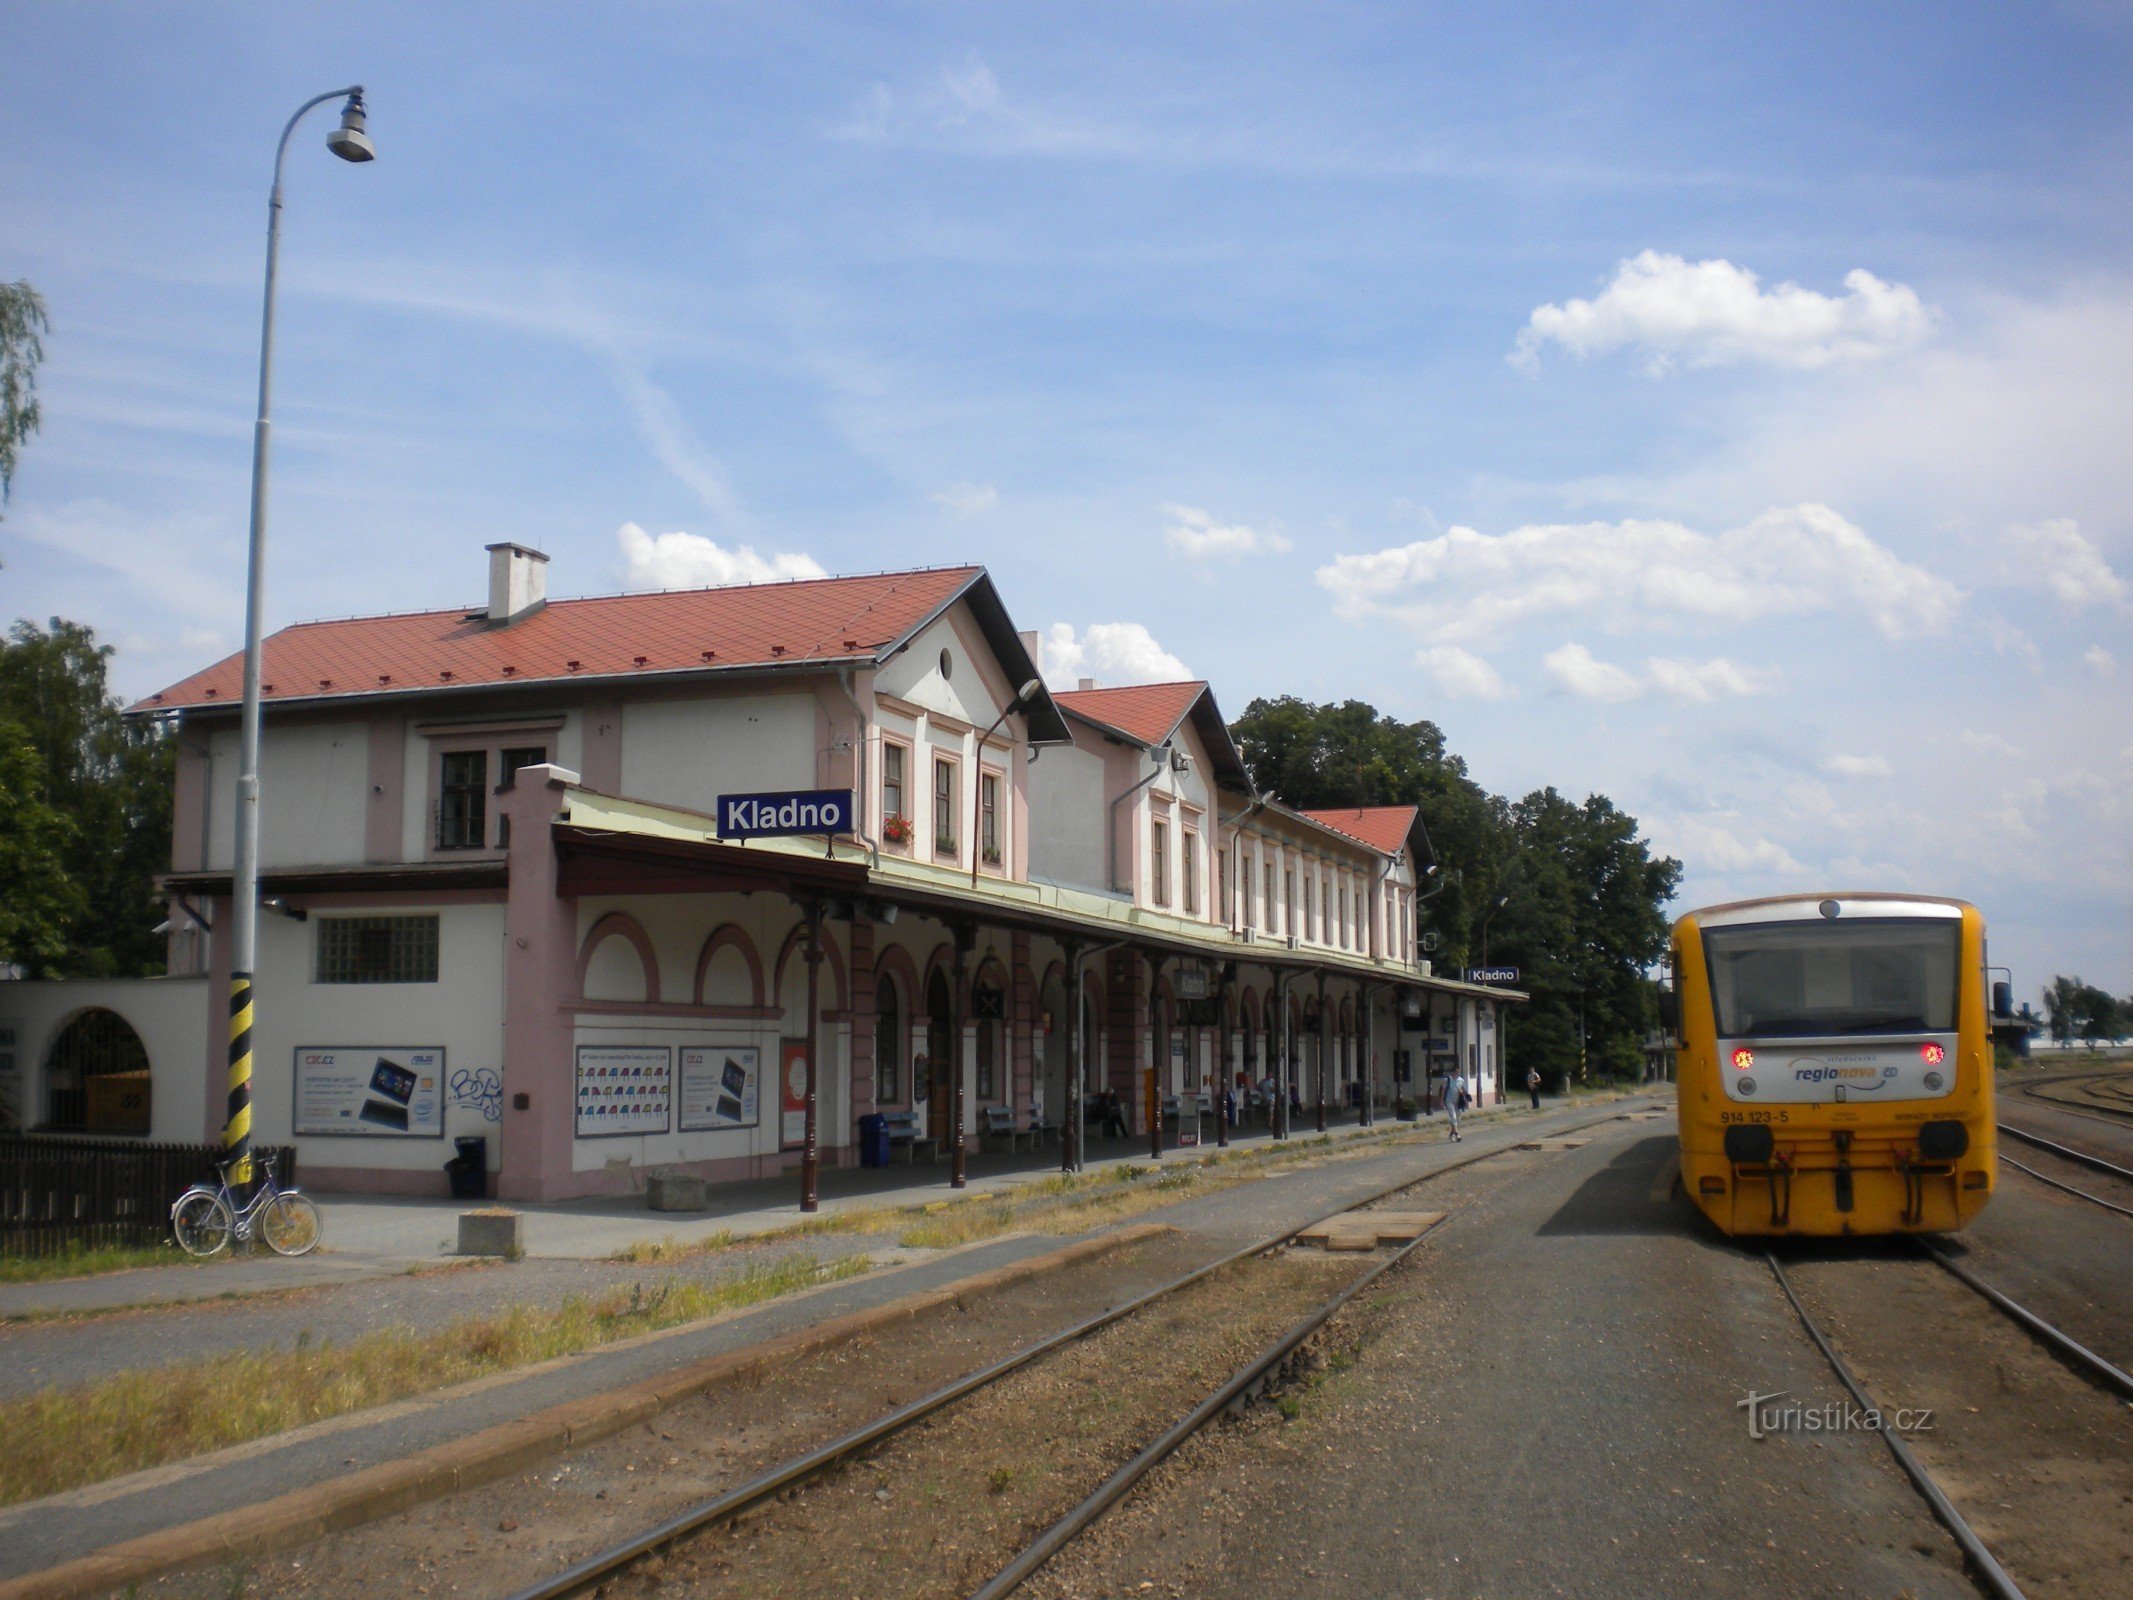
x=892 y=782
x=1189 y=866
x=462 y=799
x=943 y=806
x=989 y=818
x=888 y=1043
x=508 y=763
x=1159 y=864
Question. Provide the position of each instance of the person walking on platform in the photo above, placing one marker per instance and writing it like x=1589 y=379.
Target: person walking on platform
x=1454 y=1103
x=1533 y=1085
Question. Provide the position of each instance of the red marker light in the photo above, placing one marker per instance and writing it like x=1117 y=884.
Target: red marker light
x=1933 y=1054
x=1743 y=1059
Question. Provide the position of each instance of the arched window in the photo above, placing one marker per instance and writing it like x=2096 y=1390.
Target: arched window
x=940 y=1038
x=888 y=1043
x=96 y=1078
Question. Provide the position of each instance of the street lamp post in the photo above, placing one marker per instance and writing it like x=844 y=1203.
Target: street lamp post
x=350 y=142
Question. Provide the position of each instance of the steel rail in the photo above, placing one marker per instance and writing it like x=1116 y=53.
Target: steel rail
x=1116 y=1487
x=2041 y=1177
x=2072 y=1350
x=2094 y=1110
x=725 y=1507
x=2079 y=1157
x=1994 y=1575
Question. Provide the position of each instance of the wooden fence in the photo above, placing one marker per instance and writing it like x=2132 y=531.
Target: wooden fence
x=59 y=1194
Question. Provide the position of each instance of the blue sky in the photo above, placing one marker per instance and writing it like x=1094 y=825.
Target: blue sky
x=1723 y=408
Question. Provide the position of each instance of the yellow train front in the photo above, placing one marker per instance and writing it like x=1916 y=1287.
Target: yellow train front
x=1834 y=1065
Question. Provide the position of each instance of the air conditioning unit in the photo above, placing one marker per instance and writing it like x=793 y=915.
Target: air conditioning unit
x=1180 y=761
x=1293 y=941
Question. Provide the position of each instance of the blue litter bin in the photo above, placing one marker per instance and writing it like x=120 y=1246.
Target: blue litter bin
x=874 y=1140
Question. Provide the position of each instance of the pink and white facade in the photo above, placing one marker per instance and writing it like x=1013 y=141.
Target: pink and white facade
x=498 y=903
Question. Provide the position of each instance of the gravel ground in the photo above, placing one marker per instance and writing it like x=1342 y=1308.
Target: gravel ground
x=2038 y=1460
x=1543 y=1402
x=2097 y=1132
x=2060 y=1256
x=924 y=1514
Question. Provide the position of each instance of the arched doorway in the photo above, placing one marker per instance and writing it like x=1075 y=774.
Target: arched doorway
x=940 y=1054
x=96 y=1077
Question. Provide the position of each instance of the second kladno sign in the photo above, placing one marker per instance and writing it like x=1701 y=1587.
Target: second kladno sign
x=785 y=814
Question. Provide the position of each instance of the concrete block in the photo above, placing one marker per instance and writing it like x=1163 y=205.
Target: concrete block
x=676 y=1191
x=493 y=1232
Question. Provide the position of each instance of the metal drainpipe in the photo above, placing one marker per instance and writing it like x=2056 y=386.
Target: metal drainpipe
x=862 y=738
x=1161 y=753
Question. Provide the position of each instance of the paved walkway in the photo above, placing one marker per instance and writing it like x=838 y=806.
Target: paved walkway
x=37 y=1534
x=370 y=1237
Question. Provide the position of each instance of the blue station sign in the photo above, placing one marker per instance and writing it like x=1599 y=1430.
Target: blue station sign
x=1492 y=974
x=785 y=814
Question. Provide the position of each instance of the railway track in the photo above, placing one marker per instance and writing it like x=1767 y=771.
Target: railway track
x=2086 y=1363
x=2066 y=1153
x=2104 y=1096
x=615 y=1561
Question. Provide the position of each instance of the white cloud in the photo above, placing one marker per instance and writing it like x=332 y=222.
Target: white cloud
x=1704 y=680
x=2100 y=659
x=967 y=499
x=2055 y=555
x=1113 y=653
x=1468 y=585
x=690 y=561
x=1576 y=669
x=1713 y=313
x=1719 y=842
x=1859 y=767
x=1461 y=674
x=1196 y=534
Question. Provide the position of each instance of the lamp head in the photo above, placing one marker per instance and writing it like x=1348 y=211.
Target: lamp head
x=349 y=141
x=1028 y=691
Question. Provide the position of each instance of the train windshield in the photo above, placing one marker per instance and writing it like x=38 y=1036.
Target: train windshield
x=1795 y=979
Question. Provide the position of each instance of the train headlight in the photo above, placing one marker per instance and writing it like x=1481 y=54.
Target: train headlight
x=1743 y=1059
x=1934 y=1080
x=1744 y=1085
x=1932 y=1054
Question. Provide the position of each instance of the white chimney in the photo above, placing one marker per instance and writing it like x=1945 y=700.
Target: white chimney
x=1088 y=683
x=518 y=582
x=1033 y=642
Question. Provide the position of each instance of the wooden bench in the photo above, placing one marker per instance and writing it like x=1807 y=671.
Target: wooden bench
x=903 y=1130
x=999 y=1123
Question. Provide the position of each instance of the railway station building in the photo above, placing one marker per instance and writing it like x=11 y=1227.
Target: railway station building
x=539 y=872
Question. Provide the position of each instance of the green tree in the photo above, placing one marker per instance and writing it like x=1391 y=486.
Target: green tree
x=1565 y=891
x=39 y=899
x=2077 y=1009
x=109 y=779
x=22 y=330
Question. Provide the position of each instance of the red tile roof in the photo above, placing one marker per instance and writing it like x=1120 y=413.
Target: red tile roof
x=1147 y=712
x=686 y=630
x=1383 y=828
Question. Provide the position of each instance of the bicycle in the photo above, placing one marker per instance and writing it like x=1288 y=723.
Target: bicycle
x=205 y=1219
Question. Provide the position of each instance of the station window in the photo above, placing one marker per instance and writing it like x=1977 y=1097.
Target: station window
x=892 y=782
x=1222 y=882
x=1288 y=900
x=509 y=762
x=1269 y=876
x=943 y=806
x=462 y=799
x=377 y=949
x=1325 y=911
x=1158 y=863
x=989 y=818
x=888 y=1043
x=1189 y=866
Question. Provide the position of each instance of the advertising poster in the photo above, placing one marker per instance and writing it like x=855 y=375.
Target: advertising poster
x=721 y=1087
x=623 y=1088
x=373 y=1091
x=792 y=1129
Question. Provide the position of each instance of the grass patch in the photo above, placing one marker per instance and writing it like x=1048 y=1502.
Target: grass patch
x=657 y=1252
x=78 y=1263
x=62 y=1438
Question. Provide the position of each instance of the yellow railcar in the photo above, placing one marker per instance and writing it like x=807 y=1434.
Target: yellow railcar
x=1834 y=1063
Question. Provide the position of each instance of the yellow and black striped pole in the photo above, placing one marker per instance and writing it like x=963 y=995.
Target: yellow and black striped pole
x=237 y=1129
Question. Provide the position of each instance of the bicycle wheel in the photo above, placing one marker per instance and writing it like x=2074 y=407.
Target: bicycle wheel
x=290 y=1225
x=201 y=1223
